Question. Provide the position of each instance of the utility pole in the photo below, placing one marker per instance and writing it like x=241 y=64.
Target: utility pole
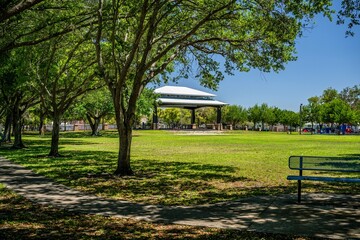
x=300 y=118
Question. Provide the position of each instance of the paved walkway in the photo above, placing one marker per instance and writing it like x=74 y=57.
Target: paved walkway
x=320 y=215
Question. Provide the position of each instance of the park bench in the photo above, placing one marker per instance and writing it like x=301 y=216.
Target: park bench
x=319 y=167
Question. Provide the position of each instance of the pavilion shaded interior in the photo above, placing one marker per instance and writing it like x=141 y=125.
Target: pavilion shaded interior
x=186 y=98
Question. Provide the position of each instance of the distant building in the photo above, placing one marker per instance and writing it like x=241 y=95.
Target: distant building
x=187 y=98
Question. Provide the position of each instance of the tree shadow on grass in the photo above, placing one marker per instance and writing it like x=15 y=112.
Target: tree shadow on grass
x=351 y=155
x=76 y=134
x=155 y=181
x=87 y=134
x=330 y=187
x=22 y=219
x=38 y=148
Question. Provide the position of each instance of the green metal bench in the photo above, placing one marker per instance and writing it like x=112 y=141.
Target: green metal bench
x=321 y=165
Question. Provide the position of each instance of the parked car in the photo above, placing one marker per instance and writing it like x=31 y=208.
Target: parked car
x=348 y=130
x=308 y=130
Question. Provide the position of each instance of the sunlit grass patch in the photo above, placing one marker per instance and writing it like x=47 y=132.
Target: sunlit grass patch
x=188 y=169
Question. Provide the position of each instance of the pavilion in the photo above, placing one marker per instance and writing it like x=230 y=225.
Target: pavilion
x=187 y=98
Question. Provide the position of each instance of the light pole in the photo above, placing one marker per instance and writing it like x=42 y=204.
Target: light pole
x=300 y=118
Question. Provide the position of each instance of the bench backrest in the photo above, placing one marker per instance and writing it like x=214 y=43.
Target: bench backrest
x=338 y=164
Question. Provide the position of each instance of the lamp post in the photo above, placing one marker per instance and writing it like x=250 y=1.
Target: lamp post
x=300 y=118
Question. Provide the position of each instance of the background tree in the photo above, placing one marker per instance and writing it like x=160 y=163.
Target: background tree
x=294 y=119
x=356 y=120
x=185 y=116
x=290 y=119
x=15 y=92
x=254 y=115
x=283 y=118
x=65 y=70
x=74 y=113
x=8 y=83
x=38 y=114
x=266 y=115
x=204 y=115
x=273 y=117
x=234 y=115
x=94 y=107
x=326 y=98
x=337 y=111
x=145 y=105
x=311 y=111
x=351 y=95
x=171 y=116
x=329 y=95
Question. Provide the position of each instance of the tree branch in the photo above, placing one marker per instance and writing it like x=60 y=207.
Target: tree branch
x=135 y=46
x=189 y=33
x=18 y=8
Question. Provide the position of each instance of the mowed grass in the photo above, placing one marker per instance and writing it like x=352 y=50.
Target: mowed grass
x=183 y=168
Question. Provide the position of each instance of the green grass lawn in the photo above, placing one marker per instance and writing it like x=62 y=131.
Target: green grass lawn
x=176 y=168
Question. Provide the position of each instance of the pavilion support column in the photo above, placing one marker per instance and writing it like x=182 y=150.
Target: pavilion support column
x=155 y=119
x=218 y=119
x=193 y=125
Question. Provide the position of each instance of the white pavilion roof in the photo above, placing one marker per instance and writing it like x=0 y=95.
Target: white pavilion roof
x=182 y=91
x=174 y=96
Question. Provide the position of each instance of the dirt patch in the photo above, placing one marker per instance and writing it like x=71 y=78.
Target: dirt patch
x=197 y=132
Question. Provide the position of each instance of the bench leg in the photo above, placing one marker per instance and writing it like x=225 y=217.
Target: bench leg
x=299 y=191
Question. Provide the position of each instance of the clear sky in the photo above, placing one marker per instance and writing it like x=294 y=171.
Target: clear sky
x=326 y=58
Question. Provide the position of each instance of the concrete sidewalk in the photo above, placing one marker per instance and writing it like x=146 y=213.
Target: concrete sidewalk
x=320 y=215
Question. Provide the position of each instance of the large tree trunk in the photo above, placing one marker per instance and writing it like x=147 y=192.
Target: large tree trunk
x=54 y=151
x=95 y=128
x=125 y=137
x=7 y=128
x=17 y=124
x=41 y=128
x=94 y=125
x=41 y=124
x=103 y=124
x=124 y=120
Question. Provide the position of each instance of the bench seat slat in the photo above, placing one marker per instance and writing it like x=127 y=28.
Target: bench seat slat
x=321 y=163
x=324 y=179
x=325 y=169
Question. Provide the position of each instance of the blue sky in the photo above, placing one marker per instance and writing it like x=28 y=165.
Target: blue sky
x=326 y=58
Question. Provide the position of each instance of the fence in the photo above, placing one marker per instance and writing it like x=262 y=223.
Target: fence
x=79 y=127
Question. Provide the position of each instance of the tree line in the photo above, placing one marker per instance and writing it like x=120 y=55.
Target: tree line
x=54 y=52
x=332 y=108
